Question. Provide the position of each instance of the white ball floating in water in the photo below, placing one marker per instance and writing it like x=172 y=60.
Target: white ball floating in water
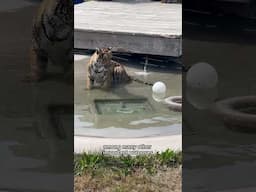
x=159 y=87
x=159 y=91
x=201 y=81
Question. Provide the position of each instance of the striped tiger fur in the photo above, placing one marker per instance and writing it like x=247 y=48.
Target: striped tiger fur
x=52 y=38
x=103 y=72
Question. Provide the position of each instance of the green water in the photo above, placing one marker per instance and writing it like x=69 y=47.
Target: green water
x=129 y=106
x=123 y=106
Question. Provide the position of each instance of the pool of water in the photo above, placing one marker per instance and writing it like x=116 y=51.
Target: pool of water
x=128 y=110
x=122 y=106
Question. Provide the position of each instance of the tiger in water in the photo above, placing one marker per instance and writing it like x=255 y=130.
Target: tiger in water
x=103 y=72
x=52 y=39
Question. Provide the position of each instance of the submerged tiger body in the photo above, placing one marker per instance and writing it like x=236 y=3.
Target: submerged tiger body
x=103 y=72
x=52 y=38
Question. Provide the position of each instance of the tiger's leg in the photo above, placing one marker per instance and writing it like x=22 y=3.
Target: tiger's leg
x=69 y=72
x=125 y=76
x=108 y=80
x=89 y=82
x=38 y=66
x=108 y=83
x=120 y=74
x=68 y=67
x=117 y=74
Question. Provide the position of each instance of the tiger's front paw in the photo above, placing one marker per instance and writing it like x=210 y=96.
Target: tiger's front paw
x=88 y=87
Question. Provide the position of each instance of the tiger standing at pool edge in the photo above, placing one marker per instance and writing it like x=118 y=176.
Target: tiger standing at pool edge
x=52 y=38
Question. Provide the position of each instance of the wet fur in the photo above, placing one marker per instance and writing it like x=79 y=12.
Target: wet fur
x=111 y=72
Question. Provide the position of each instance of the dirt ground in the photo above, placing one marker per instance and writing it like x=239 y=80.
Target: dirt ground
x=168 y=180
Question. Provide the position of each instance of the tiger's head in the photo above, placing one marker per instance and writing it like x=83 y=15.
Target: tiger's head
x=57 y=19
x=104 y=55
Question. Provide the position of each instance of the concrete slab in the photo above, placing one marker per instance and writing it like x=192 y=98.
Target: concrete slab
x=145 y=28
x=158 y=144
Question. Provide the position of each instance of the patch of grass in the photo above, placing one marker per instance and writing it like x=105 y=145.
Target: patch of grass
x=126 y=165
x=149 y=173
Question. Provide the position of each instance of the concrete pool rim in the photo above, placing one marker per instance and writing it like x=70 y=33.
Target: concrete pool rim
x=96 y=144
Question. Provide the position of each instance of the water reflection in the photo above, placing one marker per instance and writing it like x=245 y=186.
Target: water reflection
x=29 y=160
x=216 y=158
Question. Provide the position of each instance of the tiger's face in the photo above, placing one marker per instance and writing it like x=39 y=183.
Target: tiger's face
x=57 y=19
x=104 y=56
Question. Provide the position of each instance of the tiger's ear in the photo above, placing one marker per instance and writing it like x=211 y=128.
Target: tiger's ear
x=109 y=48
x=97 y=50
